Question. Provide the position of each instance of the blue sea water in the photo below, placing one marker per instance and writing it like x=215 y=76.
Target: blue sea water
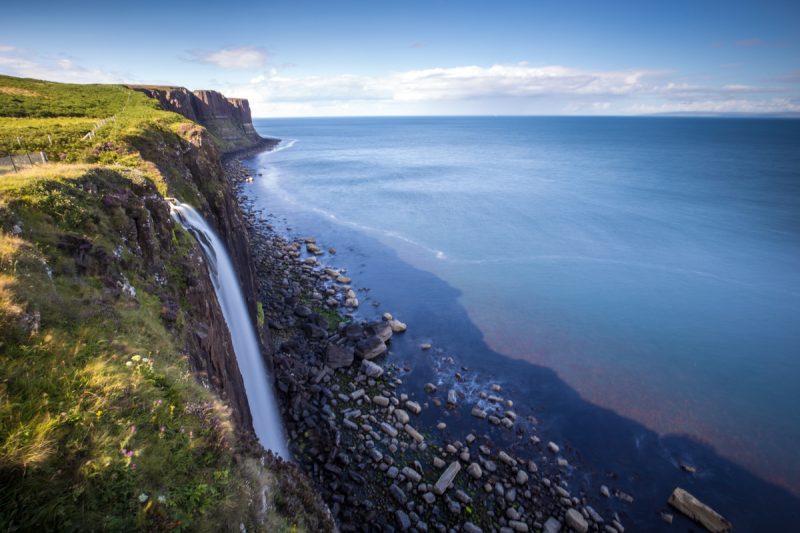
x=653 y=264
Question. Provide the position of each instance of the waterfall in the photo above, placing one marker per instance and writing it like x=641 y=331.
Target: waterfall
x=266 y=418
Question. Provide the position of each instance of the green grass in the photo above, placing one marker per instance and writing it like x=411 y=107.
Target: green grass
x=102 y=423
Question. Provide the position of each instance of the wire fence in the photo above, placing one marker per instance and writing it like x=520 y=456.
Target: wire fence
x=17 y=162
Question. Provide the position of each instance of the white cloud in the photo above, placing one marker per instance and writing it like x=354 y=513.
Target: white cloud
x=518 y=88
x=239 y=58
x=726 y=106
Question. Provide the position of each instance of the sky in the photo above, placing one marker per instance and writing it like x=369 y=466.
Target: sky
x=432 y=57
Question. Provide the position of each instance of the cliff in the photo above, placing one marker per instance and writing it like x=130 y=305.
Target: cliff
x=228 y=119
x=122 y=405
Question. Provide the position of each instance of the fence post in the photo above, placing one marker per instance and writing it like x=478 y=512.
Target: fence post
x=29 y=158
x=50 y=139
x=43 y=156
x=13 y=165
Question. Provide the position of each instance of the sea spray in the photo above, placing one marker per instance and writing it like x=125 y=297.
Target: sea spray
x=266 y=418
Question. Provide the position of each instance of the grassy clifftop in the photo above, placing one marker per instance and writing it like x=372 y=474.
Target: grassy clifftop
x=106 y=420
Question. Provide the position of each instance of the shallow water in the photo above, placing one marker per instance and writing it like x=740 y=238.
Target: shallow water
x=651 y=263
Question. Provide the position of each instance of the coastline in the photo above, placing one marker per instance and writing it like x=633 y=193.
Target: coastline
x=377 y=449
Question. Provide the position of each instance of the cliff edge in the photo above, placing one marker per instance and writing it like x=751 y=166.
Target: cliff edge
x=121 y=401
x=228 y=119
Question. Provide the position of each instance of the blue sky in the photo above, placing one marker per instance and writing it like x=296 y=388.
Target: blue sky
x=302 y=58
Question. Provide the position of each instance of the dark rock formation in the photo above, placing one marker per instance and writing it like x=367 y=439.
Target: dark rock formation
x=228 y=119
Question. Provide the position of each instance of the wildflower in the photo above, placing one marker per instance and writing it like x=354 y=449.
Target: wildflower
x=136 y=358
x=133 y=428
x=145 y=360
x=143 y=497
x=128 y=453
x=133 y=466
x=162 y=429
x=161 y=498
x=159 y=402
x=99 y=413
x=128 y=363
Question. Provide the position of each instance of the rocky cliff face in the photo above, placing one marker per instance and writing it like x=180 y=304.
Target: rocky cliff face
x=228 y=119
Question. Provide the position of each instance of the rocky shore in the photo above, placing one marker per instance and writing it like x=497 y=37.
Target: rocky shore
x=377 y=459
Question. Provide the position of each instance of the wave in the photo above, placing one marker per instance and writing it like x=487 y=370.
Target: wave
x=285 y=144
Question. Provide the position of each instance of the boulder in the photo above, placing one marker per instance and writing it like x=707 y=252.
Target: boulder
x=382 y=330
x=447 y=478
x=338 y=357
x=371 y=347
x=371 y=369
x=576 y=521
x=698 y=511
x=397 y=326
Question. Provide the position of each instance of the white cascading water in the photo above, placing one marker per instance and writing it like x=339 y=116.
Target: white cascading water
x=266 y=418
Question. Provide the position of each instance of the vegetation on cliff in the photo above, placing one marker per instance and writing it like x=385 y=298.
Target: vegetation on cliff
x=104 y=423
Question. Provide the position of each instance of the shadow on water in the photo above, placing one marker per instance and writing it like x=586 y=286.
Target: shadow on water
x=605 y=447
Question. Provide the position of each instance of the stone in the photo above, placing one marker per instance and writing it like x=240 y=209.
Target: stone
x=452 y=399
x=343 y=279
x=382 y=330
x=371 y=369
x=516 y=525
x=507 y=459
x=356 y=394
x=383 y=401
x=474 y=470
x=469 y=527
x=463 y=497
x=389 y=429
x=411 y=474
x=403 y=520
x=551 y=526
x=438 y=462
x=478 y=412
x=604 y=491
x=576 y=521
x=429 y=497
x=698 y=511
x=416 y=435
x=398 y=494
x=401 y=416
x=414 y=407
x=522 y=477
x=351 y=302
x=447 y=478
x=425 y=346
x=553 y=447
x=430 y=388
x=371 y=348
x=397 y=326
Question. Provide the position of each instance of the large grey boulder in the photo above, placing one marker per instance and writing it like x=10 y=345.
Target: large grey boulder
x=698 y=511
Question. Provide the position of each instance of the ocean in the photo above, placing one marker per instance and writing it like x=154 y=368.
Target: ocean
x=635 y=282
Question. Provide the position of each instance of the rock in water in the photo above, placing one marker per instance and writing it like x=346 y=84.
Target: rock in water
x=397 y=326
x=698 y=511
x=382 y=330
x=338 y=357
x=447 y=477
x=371 y=348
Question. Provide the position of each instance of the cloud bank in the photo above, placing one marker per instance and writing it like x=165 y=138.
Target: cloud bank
x=507 y=89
